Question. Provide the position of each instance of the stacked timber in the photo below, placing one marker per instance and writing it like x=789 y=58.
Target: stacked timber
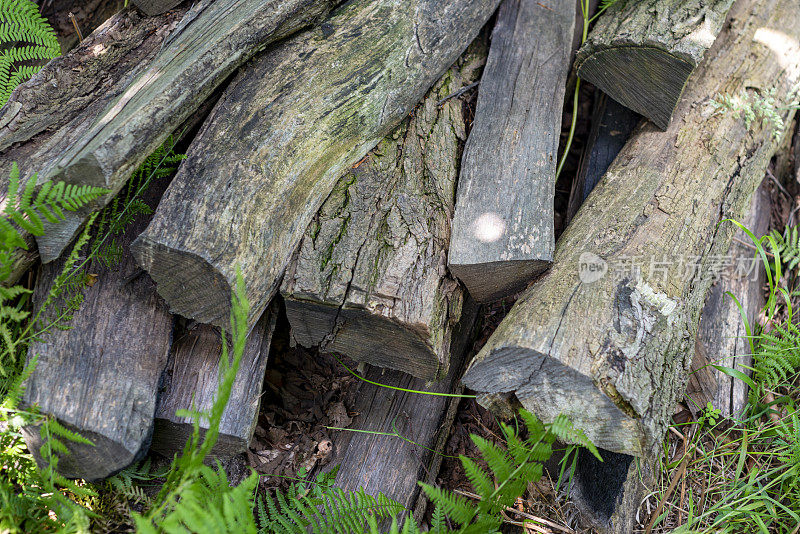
x=641 y=53
x=503 y=224
x=607 y=335
x=280 y=137
x=369 y=278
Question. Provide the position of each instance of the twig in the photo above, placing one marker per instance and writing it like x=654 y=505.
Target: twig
x=780 y=186
x=457 y=93
x=77 y=30
x=526 y=515
x=672 y=484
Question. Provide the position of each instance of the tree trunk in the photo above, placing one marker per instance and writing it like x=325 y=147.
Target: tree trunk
x=152 y=8
x=369 y=279
x=642 y=52
x=100 y=378
x=722 y=338
x=286 y=129
x=192 y=378
x=212 y=40
x=46 y=114
x=503 y=224
x=607 y=335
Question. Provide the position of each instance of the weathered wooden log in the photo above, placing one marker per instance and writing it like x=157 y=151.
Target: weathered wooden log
x=612 y=125
x=212 y=40
x=100 y=378
x=191 y=381
x=503 y=224
x=46 y=114
x=607 y=335
x=287 y=133
x=369 y=279
x=722 y=338
x=155 y=7
x=642 y=52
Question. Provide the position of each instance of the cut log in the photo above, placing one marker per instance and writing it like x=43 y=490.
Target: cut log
x=100 y=378
x=281 y=136
x=212 y=40
x=612 y=125
x=607 y=335
x=642 y=52
x=46 y=114
x=722 y=338
x=369 y=279
x=155 y=7
x=191 y=380
x=503 y=224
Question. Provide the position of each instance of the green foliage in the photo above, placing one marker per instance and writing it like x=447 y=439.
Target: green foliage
x=754 y=106
x=787 y=245
x=26 y=40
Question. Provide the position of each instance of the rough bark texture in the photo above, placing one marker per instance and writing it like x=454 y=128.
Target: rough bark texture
x=155 y=7
x=47 y=114
x=722 y=338
x=610 y=346
x=369 y=279
x=100 y=378
x=503 y=224
x=191 y=380
x=211 y=41
x=612 y=125
x=282 y=135
x=89 y=14
x=641 y=52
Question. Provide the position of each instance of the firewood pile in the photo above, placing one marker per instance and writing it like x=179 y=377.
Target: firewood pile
x=332 y=161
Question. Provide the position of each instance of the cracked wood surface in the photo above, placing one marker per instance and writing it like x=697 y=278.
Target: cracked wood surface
x=45 y=115
x=155 y=7
x=285 y=130
x=611 y=348
x=191 y=380
x=642 y=52
x=100 y=378
x=369 y=279
x=503 y=224
x=209 y=43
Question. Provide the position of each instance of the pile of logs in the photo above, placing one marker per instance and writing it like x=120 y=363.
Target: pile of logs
x=338 y=167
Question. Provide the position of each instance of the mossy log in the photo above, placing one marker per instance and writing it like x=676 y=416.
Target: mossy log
x=284 y=132
x=722 y=338
x=607 y=335
x=156 y=7
x=47 y=114
x=100 y=377
x=211 y=41
x=191 y=381
x=642 y=52
x=369 y=279
x=503 y=224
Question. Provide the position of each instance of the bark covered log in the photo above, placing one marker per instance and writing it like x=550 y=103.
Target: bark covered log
x=286 y=129
x=642 y=52
x=211 y=41
x=155 y=7
x=603 y=341
x=100 y=378
x=503 y=224
x=369 y=279
x=191 y=380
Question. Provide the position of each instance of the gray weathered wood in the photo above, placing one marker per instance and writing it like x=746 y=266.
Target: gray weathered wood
x=45 y=115
x=503 y=224
x=641 y=52
x=282 y=135
x=100 y=378
x=611 y=347
x=191 y=380
x=212 y=40
x=722 y=338
x=369 y=279
x=612 y=125
x=155 y=7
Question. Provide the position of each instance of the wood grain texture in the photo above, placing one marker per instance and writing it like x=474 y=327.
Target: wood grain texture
x=155 y=7
x=503 y=224
x=281 y=136
x=369 y=279
x=611 y=348
x=641 y=52
x=47 y=114
x=192 y=377
x=101 y=377
x=211 y=41
x=722 y=338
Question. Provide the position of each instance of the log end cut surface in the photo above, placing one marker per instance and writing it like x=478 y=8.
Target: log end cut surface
x=488 y=282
